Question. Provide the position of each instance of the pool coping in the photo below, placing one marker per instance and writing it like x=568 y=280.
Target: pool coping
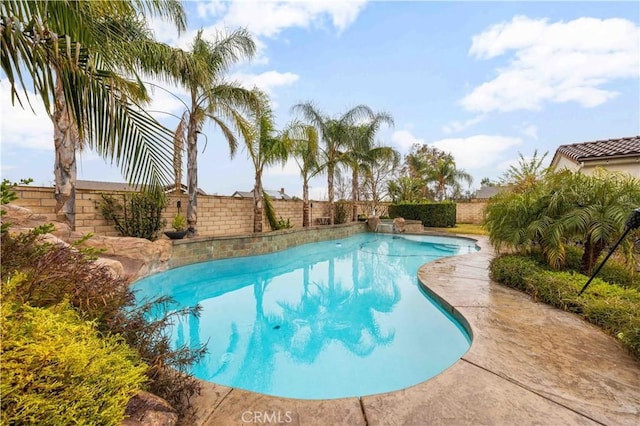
x=528 y=364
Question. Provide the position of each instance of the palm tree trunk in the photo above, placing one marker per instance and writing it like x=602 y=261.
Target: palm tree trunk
x=590 y=256
x=330 y=168
x=354 y=194
x=257 y=204
x=192 y=175
x=305 y=204
x=65 y=170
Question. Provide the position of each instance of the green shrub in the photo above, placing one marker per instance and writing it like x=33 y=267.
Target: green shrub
x=56 y=370
x=179 y=222
x=612 y=271
x=514 y=271
x=341 y=212
x=284 y=223
x=54 y=274
x=139 y=214
x=441 y=215
x=614 y=308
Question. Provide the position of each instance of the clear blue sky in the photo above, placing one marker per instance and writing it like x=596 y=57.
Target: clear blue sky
x=483 y=81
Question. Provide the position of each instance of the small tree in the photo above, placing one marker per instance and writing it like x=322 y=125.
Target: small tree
x=564 y=208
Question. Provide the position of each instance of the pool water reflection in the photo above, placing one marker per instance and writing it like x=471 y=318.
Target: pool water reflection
x=324 y=320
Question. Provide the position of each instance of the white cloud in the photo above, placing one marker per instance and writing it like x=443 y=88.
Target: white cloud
x=21 y=127
x=404 y=140
x=267 y=81
x=554 y=62
x=270 y=18
x=530 y=130
x=458 y=126
x=289 y=169
x=476 y=151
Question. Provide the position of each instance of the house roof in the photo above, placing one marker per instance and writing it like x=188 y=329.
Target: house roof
x=95 y=185
x=602 y=150
x=276 y=195
x=487 y=192
x=183 y=189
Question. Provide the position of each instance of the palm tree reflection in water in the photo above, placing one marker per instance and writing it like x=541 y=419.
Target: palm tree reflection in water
x=334 y=307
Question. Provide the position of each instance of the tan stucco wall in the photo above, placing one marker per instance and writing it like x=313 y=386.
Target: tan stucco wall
x=628 y=165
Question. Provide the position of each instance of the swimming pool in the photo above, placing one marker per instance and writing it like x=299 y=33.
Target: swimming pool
x=332 y=319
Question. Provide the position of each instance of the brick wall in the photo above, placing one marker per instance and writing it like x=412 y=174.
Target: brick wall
x=217 y=215
x=472 y=212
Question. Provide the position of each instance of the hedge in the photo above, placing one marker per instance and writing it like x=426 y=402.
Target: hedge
x=441 y=215
x=610 y=306
x=56 y=368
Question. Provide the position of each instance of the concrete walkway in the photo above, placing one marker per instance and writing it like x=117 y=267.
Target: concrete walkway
x=528 y=364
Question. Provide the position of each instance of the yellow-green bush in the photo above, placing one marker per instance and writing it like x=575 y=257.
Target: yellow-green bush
x=57 y=370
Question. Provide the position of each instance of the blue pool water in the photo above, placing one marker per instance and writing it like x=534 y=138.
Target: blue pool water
x=332 y=319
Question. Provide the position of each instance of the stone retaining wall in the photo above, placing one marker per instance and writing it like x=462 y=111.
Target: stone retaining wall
x=201 y=249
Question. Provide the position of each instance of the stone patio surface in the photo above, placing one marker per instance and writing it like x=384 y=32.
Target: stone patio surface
x=529 y=364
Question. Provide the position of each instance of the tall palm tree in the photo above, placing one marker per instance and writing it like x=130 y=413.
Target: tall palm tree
x=75 y=54
x=445 y=174
x=335 y=134
x=362 y=153
x=201 y=71
x=303 y=140
x=265 y=147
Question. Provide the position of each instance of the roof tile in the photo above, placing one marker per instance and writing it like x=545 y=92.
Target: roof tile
x=604 y=149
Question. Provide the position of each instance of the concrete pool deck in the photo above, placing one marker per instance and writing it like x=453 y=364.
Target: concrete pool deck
x=528 y=363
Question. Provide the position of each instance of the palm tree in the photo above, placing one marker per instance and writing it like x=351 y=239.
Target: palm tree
x=526 y=173
x=562 y=208
x=405 y=188
x=265 y=147
x=445 y=174
x=303 y=140
x=335 y=134
x=362 y=154
x=74 y=53
x=200 y=71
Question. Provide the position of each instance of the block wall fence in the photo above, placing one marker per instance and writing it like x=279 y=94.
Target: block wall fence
x=217 y=215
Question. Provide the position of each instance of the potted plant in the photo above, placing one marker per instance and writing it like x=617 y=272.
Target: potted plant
x=179 y=225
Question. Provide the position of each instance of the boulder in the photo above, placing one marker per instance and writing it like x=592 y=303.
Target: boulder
x=128 y=257
x=398 y=225
x=116 y=268
x=147 y=409
x=138 y=257
x=372 y=223
x=23 y=219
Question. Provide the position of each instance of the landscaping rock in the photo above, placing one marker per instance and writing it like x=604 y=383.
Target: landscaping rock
x=372 y=223
x=23 y=219
x=147 y=409
x=139 y=257
x=128 y=257
x=398 y=225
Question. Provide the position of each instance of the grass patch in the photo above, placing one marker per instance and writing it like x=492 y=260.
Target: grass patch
x=463 y=228
x=610 y=305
